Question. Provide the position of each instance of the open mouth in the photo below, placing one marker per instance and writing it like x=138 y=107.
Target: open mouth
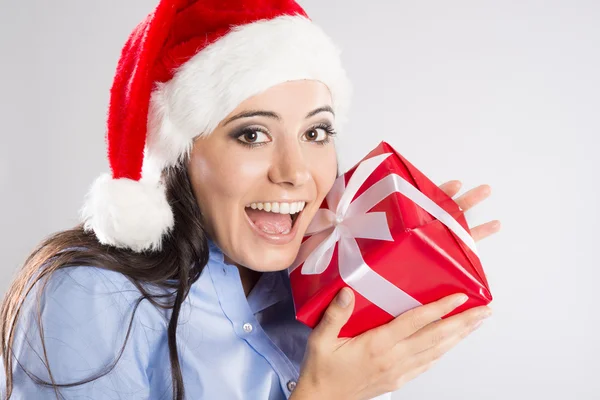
x=275 y=218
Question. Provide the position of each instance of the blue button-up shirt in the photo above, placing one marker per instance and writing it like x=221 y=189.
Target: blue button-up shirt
x=230 y=346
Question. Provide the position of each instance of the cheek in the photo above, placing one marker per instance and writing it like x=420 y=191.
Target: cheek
x=220 y=182
x=324 y=172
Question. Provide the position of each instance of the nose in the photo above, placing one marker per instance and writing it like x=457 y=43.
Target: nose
x=289 y=166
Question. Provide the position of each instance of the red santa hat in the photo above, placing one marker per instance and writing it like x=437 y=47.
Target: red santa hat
x=183 y=69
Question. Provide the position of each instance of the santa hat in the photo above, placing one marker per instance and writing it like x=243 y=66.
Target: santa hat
x=183 y=69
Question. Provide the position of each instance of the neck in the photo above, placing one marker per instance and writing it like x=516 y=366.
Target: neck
x=248 y=276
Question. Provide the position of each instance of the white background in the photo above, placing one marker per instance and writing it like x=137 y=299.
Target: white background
x=499 y=92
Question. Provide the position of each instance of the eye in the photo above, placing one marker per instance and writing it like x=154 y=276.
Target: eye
x=253 y=136
x=316 y=135
x=319 y=133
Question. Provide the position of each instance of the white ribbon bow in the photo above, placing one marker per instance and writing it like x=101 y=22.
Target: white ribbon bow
x=345 y=220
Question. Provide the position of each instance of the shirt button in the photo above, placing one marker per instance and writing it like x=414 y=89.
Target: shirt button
x=247 y=327
x=291 y=385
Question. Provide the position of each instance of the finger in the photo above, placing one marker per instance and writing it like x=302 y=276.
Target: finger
x=473 y=197
x=484 y=230
x=433 y=354
x=414 y=320
x=439 y=332
x=451 y=187
x=335 y=316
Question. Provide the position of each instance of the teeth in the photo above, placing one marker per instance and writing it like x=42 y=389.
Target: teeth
x=281 y=208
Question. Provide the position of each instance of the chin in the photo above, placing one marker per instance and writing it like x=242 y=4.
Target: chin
x=267 y=257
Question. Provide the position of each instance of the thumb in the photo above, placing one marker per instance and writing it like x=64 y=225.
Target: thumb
x=336 y=315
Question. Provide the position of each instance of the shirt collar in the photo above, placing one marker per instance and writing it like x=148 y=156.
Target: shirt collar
x=271 y=288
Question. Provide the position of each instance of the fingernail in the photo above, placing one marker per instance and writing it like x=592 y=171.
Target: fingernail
x=344 y=297
x=460 y=300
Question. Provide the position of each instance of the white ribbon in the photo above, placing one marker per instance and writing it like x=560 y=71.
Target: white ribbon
x=345 y=220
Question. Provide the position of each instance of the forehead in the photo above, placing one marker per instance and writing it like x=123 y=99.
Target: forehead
x=290 y=98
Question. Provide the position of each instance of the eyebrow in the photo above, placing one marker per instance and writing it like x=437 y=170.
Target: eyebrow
x=320 y=110
x=274 y=115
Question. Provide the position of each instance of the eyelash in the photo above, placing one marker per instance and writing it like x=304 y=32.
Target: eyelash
x=325 y=126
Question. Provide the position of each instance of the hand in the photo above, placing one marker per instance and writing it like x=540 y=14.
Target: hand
x=469 y=200
x=383 y=359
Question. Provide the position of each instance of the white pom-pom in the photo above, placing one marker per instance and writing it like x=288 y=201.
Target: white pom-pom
x=128 y=214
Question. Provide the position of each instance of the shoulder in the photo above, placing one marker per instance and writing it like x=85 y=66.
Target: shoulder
x=92 y=297
x=80 y=318
x=83 y=286
x=79 y=293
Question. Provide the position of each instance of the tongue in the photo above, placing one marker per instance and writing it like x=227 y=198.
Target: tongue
x=268 y=222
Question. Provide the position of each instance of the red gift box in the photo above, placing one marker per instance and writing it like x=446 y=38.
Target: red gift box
x=391 y=235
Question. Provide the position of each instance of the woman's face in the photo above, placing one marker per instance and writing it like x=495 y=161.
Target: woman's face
x=272 y=156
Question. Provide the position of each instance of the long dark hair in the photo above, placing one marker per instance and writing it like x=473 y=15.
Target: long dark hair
x=175 y=267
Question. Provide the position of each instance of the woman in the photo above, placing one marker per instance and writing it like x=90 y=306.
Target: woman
x=219 y=136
